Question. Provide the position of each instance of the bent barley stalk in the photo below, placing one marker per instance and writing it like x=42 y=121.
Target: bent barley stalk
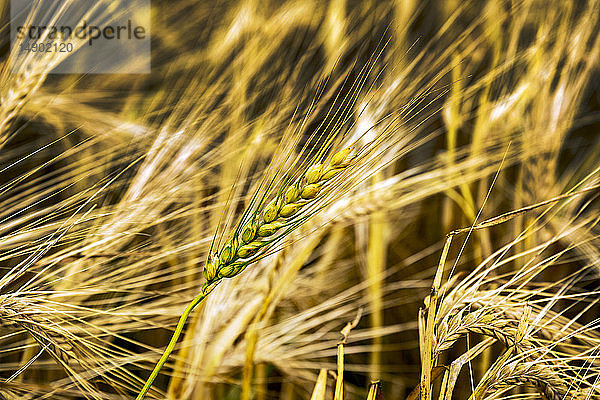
x=254 y=236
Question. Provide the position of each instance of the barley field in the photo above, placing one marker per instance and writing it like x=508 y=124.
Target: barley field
x=304 y=199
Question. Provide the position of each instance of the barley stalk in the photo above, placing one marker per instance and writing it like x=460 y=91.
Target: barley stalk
x=256 y=235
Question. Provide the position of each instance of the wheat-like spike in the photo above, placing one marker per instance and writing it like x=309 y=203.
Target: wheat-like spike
x=542 y=377
x=280 y=212
x=243 y=248
x=500 y=323
x=504 y=334
x=551 y=389
x=12 y=313
x=13 y=98
x=23 y=84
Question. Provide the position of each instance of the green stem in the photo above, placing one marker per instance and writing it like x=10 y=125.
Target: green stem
x=171 y=346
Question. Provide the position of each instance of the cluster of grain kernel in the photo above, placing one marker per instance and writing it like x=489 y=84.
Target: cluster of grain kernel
x=278 y=213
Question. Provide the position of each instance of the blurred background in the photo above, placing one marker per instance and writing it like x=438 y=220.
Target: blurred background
x=112 y=187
